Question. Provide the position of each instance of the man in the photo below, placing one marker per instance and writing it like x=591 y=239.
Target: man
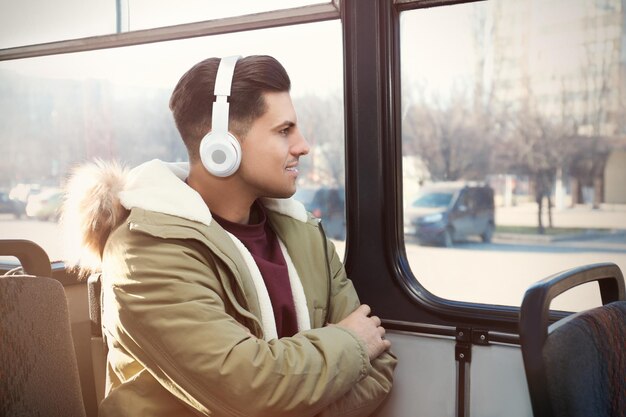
x=221 y=295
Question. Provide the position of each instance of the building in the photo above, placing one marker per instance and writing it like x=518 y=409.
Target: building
x=563 y=63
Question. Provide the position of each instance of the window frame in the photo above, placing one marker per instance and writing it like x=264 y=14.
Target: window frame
x=375 y=244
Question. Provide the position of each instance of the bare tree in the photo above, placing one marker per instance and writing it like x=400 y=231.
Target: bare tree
x=536 y=153
x=452 y=140
x=600 y=75
x=539 y=146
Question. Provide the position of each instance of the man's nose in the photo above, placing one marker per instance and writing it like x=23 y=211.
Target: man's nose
x=301 y=145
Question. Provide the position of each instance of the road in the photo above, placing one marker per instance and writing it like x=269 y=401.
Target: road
x=496 y=273
x=500 y=272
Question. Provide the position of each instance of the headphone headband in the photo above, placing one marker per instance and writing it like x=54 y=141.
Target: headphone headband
x=223 y=82
x=224 y=75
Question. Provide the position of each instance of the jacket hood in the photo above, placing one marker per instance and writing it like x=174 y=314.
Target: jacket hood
x=99 y=196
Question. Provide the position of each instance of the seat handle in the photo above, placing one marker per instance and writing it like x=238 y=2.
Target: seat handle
x=34 y=259
x=538 y=297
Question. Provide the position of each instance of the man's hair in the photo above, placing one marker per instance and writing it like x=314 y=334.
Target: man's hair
x=192 y=99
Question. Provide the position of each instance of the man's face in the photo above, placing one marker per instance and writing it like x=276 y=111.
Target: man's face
x=271 y=150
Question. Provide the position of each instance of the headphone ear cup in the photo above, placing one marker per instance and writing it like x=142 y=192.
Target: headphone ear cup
x=220 y=153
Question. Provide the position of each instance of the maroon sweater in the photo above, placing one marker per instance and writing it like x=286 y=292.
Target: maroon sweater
x=259 y=238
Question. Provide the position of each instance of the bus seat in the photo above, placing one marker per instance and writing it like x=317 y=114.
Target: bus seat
x=586 y=363
x=38 y=368
x=98 y=344
x=576 y=366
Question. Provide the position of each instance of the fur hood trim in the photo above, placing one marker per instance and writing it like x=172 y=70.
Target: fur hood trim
x=91 y=210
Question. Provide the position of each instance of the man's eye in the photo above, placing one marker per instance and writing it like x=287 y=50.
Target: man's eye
x=285 y=131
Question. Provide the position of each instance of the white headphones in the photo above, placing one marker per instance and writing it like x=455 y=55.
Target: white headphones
x=220 y=151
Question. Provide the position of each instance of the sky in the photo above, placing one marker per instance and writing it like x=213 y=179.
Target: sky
x=437 y=48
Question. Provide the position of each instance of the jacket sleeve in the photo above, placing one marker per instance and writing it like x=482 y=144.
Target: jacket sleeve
x=175 y=322
x=371 y=391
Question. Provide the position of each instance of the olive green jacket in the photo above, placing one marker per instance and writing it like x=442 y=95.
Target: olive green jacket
x=183 y=317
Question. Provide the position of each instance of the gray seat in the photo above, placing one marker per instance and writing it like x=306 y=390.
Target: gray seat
x=39 y=373
x=586 y=363
x=577 y=366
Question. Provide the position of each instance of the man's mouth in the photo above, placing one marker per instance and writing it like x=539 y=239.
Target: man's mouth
x=293 y=167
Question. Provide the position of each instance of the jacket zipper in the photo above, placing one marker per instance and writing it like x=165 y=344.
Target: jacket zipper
x=329 y=283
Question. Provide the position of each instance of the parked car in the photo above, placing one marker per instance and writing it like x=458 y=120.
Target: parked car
x=327 y=204
x=45 y=205
x=22 y=191
x=444 y=213
x=10 y=206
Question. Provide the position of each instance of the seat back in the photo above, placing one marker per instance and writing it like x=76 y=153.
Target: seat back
x=586 y=363
x=98 y=343
x=576 y=367
x=39 y=373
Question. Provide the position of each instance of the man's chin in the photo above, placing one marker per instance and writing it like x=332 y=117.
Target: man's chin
x=282 y=194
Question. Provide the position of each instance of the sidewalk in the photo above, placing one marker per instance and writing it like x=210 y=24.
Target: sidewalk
x=608 y=216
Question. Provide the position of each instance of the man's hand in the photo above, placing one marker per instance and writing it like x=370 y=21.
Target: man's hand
x=368 y=329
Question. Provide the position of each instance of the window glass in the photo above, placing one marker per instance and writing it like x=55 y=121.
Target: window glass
x=28 y=22
x=58 y=111
x=34 y=21
x=145 y=14
x=513 y=143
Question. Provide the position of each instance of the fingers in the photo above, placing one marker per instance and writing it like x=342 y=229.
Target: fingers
x=381 y=332
x=364 y=309
x=382 y=344
x=368 y=329
x=386 y=345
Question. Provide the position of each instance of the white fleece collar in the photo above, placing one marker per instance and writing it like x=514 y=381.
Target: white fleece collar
x=159 y=186
x=268 y=320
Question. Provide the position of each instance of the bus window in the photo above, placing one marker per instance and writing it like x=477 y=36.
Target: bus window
x=520 y=101
x=57 y=21
x=112 y=104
